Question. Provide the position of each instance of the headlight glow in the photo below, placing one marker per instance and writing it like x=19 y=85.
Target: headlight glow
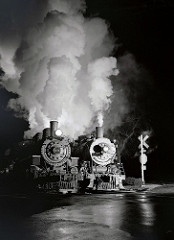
x=58 y=132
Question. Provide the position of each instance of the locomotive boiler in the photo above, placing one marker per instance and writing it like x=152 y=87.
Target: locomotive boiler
x=99 y=162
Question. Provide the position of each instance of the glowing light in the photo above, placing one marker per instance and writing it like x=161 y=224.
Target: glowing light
x=58 y=132
x=105 y=149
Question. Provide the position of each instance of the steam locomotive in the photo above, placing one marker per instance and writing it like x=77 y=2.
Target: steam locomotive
x=53 y=162
x=99 y=163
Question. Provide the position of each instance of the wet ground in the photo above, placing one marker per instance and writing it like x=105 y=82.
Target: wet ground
x=137 y=216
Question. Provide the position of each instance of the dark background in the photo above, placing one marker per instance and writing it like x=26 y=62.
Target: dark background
x=143 y=28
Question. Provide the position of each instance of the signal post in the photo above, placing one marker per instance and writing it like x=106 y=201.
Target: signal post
x=143 y=157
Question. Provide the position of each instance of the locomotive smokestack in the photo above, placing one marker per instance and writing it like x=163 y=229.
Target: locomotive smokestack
x=53 y=128
x=99 y=132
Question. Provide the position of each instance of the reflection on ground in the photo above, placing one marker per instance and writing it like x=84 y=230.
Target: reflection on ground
x=110 y=216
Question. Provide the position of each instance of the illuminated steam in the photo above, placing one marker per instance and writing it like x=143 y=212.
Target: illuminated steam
x=61 y=69
x=100 y=119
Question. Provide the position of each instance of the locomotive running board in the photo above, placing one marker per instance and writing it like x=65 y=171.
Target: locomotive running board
x=110 y=191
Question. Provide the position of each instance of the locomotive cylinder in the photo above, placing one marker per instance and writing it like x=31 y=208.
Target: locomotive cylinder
x=53 y=128
x=99 y=132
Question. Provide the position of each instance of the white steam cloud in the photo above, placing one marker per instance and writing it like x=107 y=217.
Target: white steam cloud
x=61 y=69
x=100 y=119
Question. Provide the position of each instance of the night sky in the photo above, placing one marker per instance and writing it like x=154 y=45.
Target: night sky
x=145 y=30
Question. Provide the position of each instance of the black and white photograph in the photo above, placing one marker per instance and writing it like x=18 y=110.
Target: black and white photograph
x=86 y=120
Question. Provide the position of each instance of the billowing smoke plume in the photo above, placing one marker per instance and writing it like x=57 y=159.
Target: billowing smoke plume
x=60 y=68
x=100 y=119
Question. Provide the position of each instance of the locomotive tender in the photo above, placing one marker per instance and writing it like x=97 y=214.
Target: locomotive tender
x=51 y=161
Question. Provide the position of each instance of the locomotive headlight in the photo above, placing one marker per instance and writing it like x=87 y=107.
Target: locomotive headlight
x=58 y=132
x=105 y=149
